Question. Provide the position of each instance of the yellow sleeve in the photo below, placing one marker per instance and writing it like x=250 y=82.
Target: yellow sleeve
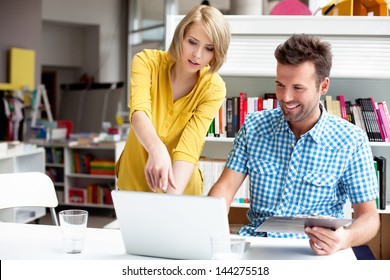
x=192 y=140
x=140 y=83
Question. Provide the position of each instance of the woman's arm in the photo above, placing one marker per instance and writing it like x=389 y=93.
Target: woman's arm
x=182 y=172
x=158 y=169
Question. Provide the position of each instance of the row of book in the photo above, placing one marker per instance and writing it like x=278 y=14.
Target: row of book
x=371 y=116
x=231 y=115
x=84 y=163
x=92 y=194
x=211 y=171
x=56 y=174
x=54 y=155
x=380 y=167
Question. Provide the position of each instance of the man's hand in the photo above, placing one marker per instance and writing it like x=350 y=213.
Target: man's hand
x=324 y=241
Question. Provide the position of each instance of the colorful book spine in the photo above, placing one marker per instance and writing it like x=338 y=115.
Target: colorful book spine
x=243 y=108
x=343 y=108
x=383 y=121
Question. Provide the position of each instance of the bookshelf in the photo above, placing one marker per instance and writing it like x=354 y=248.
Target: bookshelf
x=55 y=166
x=90 y=185
x=75 y=186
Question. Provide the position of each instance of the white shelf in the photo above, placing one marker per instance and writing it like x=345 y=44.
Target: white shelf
x=219 y=139
x=386 y=211
x=239 y=205
x=23 y=161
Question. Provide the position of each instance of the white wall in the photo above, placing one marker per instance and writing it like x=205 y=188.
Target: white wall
x=109 y=15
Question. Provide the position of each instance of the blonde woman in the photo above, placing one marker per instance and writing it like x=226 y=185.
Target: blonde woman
x=174 y=96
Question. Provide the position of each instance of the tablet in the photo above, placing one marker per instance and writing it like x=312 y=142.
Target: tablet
x=297 y=224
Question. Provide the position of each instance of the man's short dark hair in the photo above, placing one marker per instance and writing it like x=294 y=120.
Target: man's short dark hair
x=300 y=48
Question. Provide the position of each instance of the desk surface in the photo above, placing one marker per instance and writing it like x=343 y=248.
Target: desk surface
x=30 y=241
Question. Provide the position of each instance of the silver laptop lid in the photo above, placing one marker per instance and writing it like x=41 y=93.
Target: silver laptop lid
x=170 y=226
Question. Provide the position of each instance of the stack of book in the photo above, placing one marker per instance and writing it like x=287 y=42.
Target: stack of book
x=93 y=193
x=102 y=167
x=372 y=117
x=212 y=170
x=231 y=115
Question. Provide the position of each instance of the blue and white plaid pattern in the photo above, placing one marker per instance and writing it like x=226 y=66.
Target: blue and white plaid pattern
x=313 y=175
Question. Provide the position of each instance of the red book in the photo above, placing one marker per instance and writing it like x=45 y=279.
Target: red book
x=343 y=109
x=243 y=107
x=260 y=104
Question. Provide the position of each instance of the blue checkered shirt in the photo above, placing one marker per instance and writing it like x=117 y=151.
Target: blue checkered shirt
x=314 y=175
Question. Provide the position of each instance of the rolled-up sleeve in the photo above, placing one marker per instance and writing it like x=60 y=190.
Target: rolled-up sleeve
x=140 y=83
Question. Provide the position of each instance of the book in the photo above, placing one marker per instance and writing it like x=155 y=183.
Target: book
x=215 y=132
x=229 y=117
x=336 y=108
x=383 y=122
x=358 y=117
x=374 y=107
x=260 y=104
x=329 y=104
x=77 y=195
x=343 y=108
x=377 y=178
x=348 y=110
x=236 y=114
x=369 y=118
x=243 y=108
x=381 y=165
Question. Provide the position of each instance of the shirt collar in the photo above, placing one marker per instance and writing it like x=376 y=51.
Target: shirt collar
x=316 y=132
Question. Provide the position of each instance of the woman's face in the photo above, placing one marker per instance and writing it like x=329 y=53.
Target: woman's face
x=197 y=48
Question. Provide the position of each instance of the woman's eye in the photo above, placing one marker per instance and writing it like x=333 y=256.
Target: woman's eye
x=210 y=49
x=192 y=42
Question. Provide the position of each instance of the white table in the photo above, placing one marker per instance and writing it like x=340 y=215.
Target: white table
x=30 y=241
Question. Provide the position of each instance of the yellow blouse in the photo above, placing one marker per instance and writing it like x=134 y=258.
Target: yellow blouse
x=182 y=125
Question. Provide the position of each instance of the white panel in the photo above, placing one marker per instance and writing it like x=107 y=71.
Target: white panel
x=360 y=45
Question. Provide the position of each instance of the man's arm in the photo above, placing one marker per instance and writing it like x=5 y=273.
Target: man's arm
x=227 y=185
x=364 y=227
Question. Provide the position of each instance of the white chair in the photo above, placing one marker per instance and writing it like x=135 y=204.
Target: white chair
x=28 y=189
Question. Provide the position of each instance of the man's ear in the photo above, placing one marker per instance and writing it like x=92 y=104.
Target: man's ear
x=324 y=86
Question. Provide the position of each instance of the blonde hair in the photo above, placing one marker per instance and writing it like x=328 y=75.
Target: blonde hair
x=216 y=27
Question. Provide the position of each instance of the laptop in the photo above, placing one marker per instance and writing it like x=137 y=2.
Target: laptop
x=170 y=226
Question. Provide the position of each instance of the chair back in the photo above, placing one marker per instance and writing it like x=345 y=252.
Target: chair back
x=28 y=189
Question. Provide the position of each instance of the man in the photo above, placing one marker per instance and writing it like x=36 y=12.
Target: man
x=301 y=160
